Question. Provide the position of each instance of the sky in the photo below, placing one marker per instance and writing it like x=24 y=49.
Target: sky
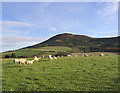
x=29 y=23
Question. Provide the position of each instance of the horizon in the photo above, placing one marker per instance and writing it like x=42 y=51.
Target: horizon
x=42 y=20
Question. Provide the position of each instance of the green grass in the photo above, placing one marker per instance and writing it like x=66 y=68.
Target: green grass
x=55 y=48
x=38 y=51
x=66 y=74
x=23 y=53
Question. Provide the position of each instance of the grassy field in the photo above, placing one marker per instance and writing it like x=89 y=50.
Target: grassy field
x=38 y=51
x=91 y=73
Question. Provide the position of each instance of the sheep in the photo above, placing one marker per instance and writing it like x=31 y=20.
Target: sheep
x=16 y=61
x=50 y=57
x=85 y=55
x=82 y=55
x=54 y=57
x=29 y=62
x=36 y=59
x=101 y=54
x=39 y=57
x=76 y=55
x=69 y=55
x=22 y=61
x=19 y=60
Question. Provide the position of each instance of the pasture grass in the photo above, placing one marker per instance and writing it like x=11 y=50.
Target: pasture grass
x=93 y=73
x=38 y=51
x=54 y=48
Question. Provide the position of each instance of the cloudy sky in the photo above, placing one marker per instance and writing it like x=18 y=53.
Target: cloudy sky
x=28 y=23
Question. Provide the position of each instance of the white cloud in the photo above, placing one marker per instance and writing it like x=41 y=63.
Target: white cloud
x=52 y=29
x=17 y=40
x=10 y=31
x=108 y=10
x=8 y=27
x=12 y=24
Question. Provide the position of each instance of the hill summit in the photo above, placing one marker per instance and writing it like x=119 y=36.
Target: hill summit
x=80 y=42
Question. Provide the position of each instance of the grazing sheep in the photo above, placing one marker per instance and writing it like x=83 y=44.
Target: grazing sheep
x=76 y=55
x=19 y=60
x=69 y=55
x=16 y=61
x=54 y=57
x=22 y=61
x=82 y=55
x=85 y=55
x=50 y=57
x=36 y=59
x=29 y=62
x=43 y=56
x=101 y=54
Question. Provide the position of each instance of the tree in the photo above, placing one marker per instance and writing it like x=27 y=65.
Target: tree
x=13 y=55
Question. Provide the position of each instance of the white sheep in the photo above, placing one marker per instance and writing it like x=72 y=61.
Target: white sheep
x=76 y=55
x=19 y=60
x=16 y=61
x=69 y=55
x=22 y=61
x=29 y=62
x=101 y=54
x=36 y=59
x=85 y=55
x=50 y=57
x=54 y=57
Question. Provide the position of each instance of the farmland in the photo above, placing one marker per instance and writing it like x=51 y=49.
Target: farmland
x=92 y=73
x=38 y=51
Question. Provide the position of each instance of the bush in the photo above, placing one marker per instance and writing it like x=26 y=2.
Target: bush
x=7 y=56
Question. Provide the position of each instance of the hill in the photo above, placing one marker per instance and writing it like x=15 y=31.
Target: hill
x=66 y=43
x=81 y=43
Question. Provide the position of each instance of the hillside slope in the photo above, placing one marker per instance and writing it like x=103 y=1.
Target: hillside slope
x=63 y=44
x=80 y=42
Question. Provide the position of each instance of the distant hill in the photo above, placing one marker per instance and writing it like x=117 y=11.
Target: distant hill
x=81 y=43
x=64 y=44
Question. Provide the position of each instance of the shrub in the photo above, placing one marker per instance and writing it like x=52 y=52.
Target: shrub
x=7 y=56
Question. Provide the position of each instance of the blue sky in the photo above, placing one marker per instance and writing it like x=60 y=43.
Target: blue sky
x=28 y=23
